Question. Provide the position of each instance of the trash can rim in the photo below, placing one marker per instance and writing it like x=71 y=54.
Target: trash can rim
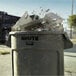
x=34 y=32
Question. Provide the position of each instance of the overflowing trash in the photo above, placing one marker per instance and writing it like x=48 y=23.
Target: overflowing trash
x=50 y=22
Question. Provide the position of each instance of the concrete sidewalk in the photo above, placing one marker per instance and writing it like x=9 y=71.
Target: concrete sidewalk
x=70 y=61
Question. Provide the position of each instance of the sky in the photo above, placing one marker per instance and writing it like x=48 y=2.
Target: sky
x=18 y=7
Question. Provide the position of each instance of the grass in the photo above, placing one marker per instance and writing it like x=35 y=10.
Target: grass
x=74 y=41
x=4 y=51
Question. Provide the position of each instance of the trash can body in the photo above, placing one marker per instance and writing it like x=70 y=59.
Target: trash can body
x=37 y=53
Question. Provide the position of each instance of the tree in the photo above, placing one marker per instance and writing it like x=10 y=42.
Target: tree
x=72 y=21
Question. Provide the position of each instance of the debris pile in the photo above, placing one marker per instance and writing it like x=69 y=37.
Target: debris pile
x=50 y=22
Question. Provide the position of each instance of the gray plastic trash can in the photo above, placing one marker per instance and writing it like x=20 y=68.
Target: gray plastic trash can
x=37 y=53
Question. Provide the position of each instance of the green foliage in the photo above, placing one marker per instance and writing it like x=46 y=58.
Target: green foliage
x=72 y=20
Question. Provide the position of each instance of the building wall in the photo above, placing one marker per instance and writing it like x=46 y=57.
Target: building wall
x=6 y=22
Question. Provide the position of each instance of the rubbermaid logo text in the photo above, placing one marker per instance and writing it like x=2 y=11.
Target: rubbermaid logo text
x=30 y=38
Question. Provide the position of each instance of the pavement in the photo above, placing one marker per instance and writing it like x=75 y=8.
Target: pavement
x=5 y=61
x=5 y=65
x=69 y=62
